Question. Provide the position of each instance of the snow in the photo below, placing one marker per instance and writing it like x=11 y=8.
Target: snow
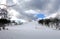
x=52 y=15
x=31 y=30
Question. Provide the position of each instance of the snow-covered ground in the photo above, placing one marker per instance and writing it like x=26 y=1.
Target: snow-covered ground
x=31 y=30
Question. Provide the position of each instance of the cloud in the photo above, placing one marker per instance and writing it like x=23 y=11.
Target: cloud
x=31 y=12
x=27 y=7
x=47 y=6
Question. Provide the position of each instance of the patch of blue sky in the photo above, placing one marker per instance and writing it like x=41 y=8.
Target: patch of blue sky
x=40 y=15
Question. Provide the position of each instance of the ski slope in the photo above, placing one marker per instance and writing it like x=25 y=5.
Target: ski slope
x=31 y=30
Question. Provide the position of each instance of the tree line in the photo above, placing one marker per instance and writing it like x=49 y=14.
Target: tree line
x=51 y=22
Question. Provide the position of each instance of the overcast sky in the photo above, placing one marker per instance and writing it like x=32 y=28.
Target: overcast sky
x=47 y=7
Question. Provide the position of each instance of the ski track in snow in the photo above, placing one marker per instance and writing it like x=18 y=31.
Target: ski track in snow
x=30 y=30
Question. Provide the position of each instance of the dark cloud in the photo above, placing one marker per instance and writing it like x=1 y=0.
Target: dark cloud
x=55 y=6
x=36 y=4
x=45 y=6
x=39 y=5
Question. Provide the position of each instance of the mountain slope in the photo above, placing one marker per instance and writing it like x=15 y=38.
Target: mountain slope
x=54 y=15
x=30 y=30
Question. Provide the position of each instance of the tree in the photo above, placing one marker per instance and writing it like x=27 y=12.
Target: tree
x=3 y=22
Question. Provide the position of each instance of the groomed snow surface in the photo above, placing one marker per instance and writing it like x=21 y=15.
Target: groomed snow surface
x=31 y=30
